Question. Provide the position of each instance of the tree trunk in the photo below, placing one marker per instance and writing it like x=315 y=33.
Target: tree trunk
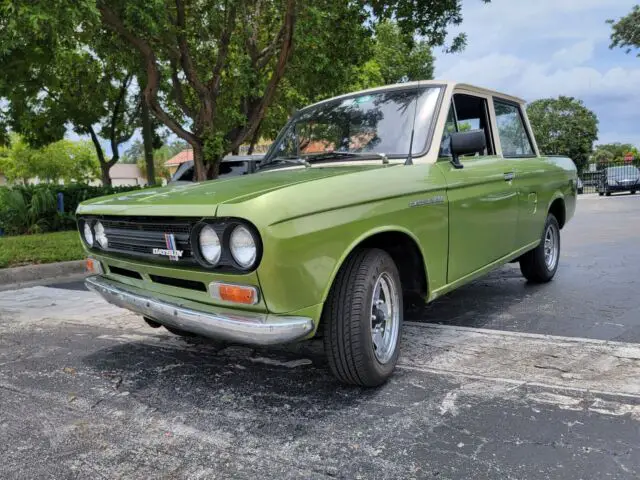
x=148 y=144
x=106 y=179
x=213 y=168
x=198 y=162
x=254 y=139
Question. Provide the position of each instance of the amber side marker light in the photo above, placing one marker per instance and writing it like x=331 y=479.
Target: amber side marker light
x=234 y=293
x=94 y=266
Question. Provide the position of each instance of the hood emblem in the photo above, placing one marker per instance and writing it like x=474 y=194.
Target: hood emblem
x=171 y=251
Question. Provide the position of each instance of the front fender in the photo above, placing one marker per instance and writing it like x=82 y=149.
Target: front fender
x=302 y=256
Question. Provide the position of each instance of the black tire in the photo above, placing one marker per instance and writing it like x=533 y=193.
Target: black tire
x=601 y=193
x=633 y=192
x=533 y=264
x=347 y=319
x=608 y=194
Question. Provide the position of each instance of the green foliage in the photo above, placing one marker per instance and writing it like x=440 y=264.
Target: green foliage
x=62 y=160
x=614 y=152
x=626 y=31
x=20 y=214
x=396 y=57
x=58 y=67
x=135 y=154
x=564 y=126
x=210 y=69
x=41 y=248
x=33 y=208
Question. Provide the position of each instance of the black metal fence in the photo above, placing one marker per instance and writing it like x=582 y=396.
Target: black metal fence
x=607 y=178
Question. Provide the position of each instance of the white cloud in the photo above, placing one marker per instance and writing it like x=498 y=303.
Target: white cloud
x=547 y=48
x=576 y=54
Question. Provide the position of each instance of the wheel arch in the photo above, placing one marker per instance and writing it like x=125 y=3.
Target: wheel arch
x=559 y=210
x=403 y=247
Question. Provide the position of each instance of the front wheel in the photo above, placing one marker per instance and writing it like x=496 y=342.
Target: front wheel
x=540 y=264
x=363 y=319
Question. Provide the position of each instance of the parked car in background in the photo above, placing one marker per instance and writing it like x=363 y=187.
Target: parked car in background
x=230 y=166
x=622 y=178
x=363 y=201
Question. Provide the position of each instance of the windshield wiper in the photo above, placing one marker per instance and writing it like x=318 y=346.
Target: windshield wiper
x=363 y=155
x=280 y=160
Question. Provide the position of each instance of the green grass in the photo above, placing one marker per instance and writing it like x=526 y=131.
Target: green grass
x=42 y=248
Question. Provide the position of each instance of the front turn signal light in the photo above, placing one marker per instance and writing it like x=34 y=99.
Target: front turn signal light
x=231 y=293
x=94 y=266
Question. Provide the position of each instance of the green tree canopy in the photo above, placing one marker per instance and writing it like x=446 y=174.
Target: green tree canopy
x=564 y=126
x=395 y=57
x=62 y=160
x=614 y=152
x=59 y=67
x=626 y=31
x=211 y=68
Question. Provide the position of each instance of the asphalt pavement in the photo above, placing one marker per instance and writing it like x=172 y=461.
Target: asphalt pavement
x=499 y=379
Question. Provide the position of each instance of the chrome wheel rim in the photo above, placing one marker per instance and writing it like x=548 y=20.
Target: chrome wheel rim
x=385 y=318
x=551 y=246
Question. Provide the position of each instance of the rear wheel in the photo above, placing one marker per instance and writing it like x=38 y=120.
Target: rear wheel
x=633 y=192
x=608 y=194
x=363 y=319
x=540 y=264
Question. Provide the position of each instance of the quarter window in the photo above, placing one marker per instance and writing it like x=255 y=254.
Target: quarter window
x=511 y=130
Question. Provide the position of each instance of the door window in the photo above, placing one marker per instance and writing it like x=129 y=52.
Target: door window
x=513 y=135
x=467 y=112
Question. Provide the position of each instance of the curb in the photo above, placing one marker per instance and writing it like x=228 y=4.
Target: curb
x=30 y=273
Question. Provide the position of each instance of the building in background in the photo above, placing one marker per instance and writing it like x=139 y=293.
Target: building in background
x=174 y=162
x=126 y=174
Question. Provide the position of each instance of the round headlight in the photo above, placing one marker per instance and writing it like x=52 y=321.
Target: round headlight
x=101 y=236
x=88 y=234
x=210 y=245
x=243 y=247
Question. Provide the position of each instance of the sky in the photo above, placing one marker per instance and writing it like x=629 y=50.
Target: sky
x=545 y=48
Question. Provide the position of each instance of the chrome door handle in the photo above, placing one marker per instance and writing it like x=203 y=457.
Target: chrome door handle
x=509 y=176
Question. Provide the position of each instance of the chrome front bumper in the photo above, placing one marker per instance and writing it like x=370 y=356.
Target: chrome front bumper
x=242 y=327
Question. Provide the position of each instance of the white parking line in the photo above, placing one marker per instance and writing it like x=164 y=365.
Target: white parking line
x=577 y=365
x=574 y=364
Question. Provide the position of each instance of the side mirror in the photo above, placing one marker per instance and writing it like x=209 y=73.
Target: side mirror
x=464 y=143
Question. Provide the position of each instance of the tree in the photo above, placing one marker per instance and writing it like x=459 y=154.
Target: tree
x=212 y=68
x=564 y=126
x=62 y=160
x=224 y=60
x=614 y=152
x=59 y=67
x=396 y=57
x=626 y=31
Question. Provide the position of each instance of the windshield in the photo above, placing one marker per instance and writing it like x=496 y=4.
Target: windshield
x=376 y=123
x=626 y=171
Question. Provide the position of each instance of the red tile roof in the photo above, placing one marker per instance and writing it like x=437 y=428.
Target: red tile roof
x=179 y=159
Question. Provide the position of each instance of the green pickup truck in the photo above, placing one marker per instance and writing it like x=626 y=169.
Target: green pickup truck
x=363 y=201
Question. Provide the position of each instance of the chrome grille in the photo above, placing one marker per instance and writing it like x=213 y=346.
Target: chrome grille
x=138 y=236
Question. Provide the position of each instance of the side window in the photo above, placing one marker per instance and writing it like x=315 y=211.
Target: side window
x=467 y=112
x=449 y=128
x=513 y=134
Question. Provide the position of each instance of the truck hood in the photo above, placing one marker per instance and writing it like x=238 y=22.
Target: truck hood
x=202 y=199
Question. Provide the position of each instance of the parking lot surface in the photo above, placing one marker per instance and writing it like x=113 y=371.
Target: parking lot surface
x=499 y=379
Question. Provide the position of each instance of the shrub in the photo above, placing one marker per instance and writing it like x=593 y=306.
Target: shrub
x=33 y=208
